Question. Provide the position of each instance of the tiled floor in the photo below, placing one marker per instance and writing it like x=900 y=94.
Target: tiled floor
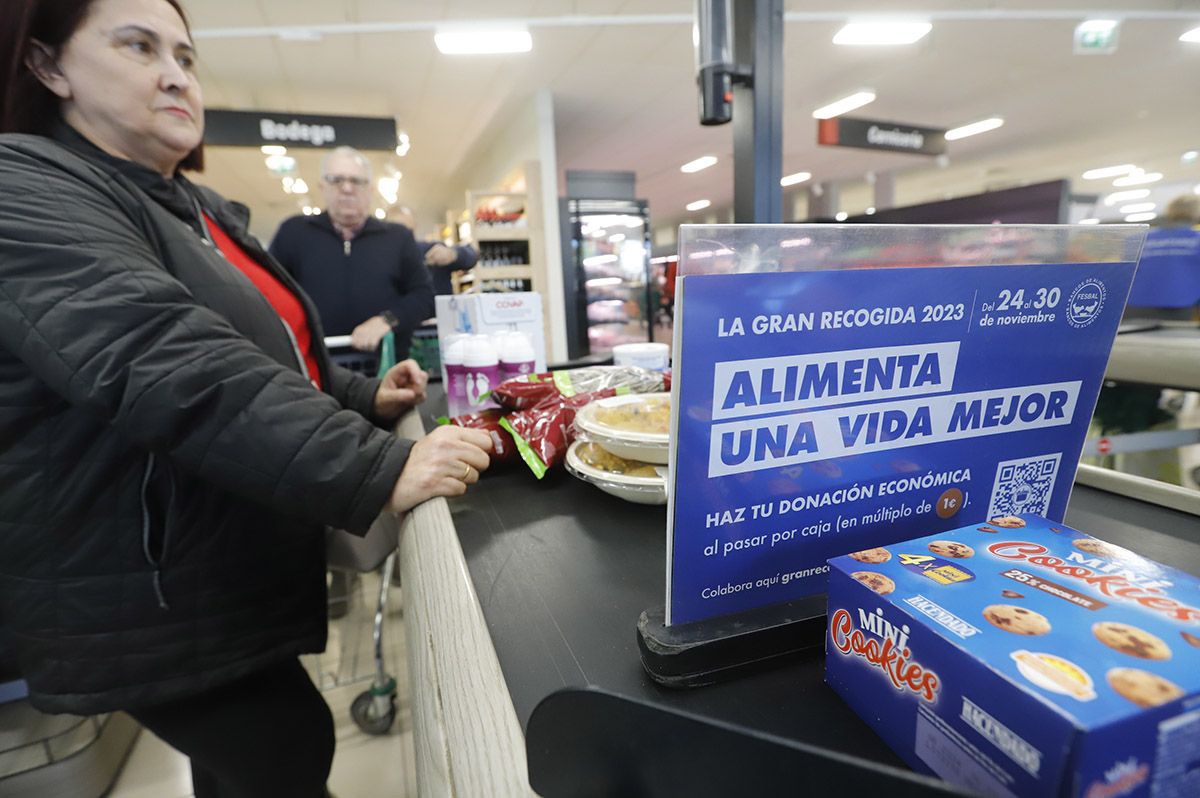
x=364 y=765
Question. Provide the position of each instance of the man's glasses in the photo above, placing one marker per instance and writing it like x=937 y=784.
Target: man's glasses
x=338 y=181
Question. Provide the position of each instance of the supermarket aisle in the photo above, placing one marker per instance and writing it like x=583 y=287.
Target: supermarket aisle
x=363 y=765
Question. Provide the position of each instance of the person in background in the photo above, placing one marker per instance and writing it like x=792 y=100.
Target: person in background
x=175 y=436
x=441 y=259
x=366 y=276
x=1167 y=283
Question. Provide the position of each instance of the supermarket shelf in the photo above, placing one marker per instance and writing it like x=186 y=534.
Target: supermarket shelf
x=487 y=232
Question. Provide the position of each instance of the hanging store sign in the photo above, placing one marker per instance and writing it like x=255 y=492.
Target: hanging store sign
x=829 y=412
x=257 y=128
x=871 y=134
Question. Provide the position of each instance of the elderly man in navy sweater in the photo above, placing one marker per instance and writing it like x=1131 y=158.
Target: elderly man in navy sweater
x=366 y=276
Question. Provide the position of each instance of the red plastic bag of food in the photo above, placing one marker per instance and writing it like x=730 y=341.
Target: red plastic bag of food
x=543 y=432
x=503 y=448
x=521 y=393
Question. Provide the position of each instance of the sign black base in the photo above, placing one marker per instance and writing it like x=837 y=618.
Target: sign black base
x=706 y=652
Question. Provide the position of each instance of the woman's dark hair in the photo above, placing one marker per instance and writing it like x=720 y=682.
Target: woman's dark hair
x=26 y=106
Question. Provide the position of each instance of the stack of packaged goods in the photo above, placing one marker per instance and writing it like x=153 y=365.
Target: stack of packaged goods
x=624 y=446
x=535 y=414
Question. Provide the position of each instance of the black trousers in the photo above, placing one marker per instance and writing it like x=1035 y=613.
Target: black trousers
x=269 y=734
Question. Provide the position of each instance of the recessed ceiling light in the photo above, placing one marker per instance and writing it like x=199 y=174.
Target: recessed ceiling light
x=975 y=128
x=1124 y=196
x=299 y=187
x=703 y=162
x=1189 y=157
x=273 y=149
x=1091 y=220
x=1138 y=178
x=482 y=41
x=1137 y=207
x=870 y=211
x=698 y=205
x=881 y=32
x=1191 y=36
x=845 y=105
x=1109 y=171
x=841 y=216
x=794 y=178
x=380 y=213
x=1141 y=217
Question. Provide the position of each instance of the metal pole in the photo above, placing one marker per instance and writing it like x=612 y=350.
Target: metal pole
x=758 y=112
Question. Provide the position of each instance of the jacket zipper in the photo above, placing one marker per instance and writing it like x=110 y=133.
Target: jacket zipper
x=207 y=238
x=158 y=589
x=346 y=247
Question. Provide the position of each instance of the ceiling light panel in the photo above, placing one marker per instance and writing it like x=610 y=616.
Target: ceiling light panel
x=974 y=129
x=481 y=41
x=881 y=33
x=845 y=105
x=703 y=162
x=1138 y=178
x=1109 y=171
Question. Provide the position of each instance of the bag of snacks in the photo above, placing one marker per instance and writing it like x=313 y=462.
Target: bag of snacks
x=543 y=433
x=521 y=393
x=503 y=448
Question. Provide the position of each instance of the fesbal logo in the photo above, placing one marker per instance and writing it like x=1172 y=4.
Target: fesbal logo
x=1086 y=302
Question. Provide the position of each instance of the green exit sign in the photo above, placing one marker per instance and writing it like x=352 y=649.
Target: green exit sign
x=1096 y=37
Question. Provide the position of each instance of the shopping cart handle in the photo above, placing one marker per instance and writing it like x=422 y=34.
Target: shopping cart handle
x=335 y=341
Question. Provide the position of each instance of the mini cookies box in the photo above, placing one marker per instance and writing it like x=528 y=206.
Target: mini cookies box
x=1023 y=658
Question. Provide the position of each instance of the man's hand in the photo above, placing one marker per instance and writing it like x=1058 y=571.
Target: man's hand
x=440 y=255
x=366 y=336
x=401 y=388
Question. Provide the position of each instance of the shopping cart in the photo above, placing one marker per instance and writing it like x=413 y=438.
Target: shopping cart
x=373 y=710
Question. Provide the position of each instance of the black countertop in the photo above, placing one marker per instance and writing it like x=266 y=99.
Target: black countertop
x=563 y=571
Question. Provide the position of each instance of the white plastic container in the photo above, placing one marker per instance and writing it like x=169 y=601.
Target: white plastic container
x=645 y=446
x=517 y=356
x=640 y=490
x=453 y=354
x=481 y=366
x=656 y=357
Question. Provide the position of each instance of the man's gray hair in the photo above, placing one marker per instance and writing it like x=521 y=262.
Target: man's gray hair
x=346 y=152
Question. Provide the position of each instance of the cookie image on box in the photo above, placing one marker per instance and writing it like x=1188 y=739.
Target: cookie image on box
x=1017 y=620
x=877 y=582
x=1142 y=687
x=1007 y=522
x=1131 y=640
x=872 y=556
x=1190 y=639
x=1099 y=548
x=951 y=548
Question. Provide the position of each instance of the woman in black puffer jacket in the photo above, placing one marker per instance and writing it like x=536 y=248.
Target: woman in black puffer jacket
x=173 y=436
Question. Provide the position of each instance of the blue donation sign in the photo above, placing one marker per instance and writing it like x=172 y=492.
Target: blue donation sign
x=825 y=412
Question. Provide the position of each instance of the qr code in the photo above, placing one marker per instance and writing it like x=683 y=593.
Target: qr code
x=1024 y=486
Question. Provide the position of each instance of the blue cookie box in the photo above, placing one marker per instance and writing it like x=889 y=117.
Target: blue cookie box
x=969 y=711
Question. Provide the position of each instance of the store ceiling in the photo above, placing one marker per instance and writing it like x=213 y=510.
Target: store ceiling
x=625 y=95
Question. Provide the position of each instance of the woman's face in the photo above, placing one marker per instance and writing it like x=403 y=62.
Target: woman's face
x=127 y=81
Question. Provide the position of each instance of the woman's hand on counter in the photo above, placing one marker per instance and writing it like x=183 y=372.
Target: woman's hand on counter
x=402 y=387
x=442 y=463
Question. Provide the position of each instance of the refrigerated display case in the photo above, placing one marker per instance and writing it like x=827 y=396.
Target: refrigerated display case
x=608 y=285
